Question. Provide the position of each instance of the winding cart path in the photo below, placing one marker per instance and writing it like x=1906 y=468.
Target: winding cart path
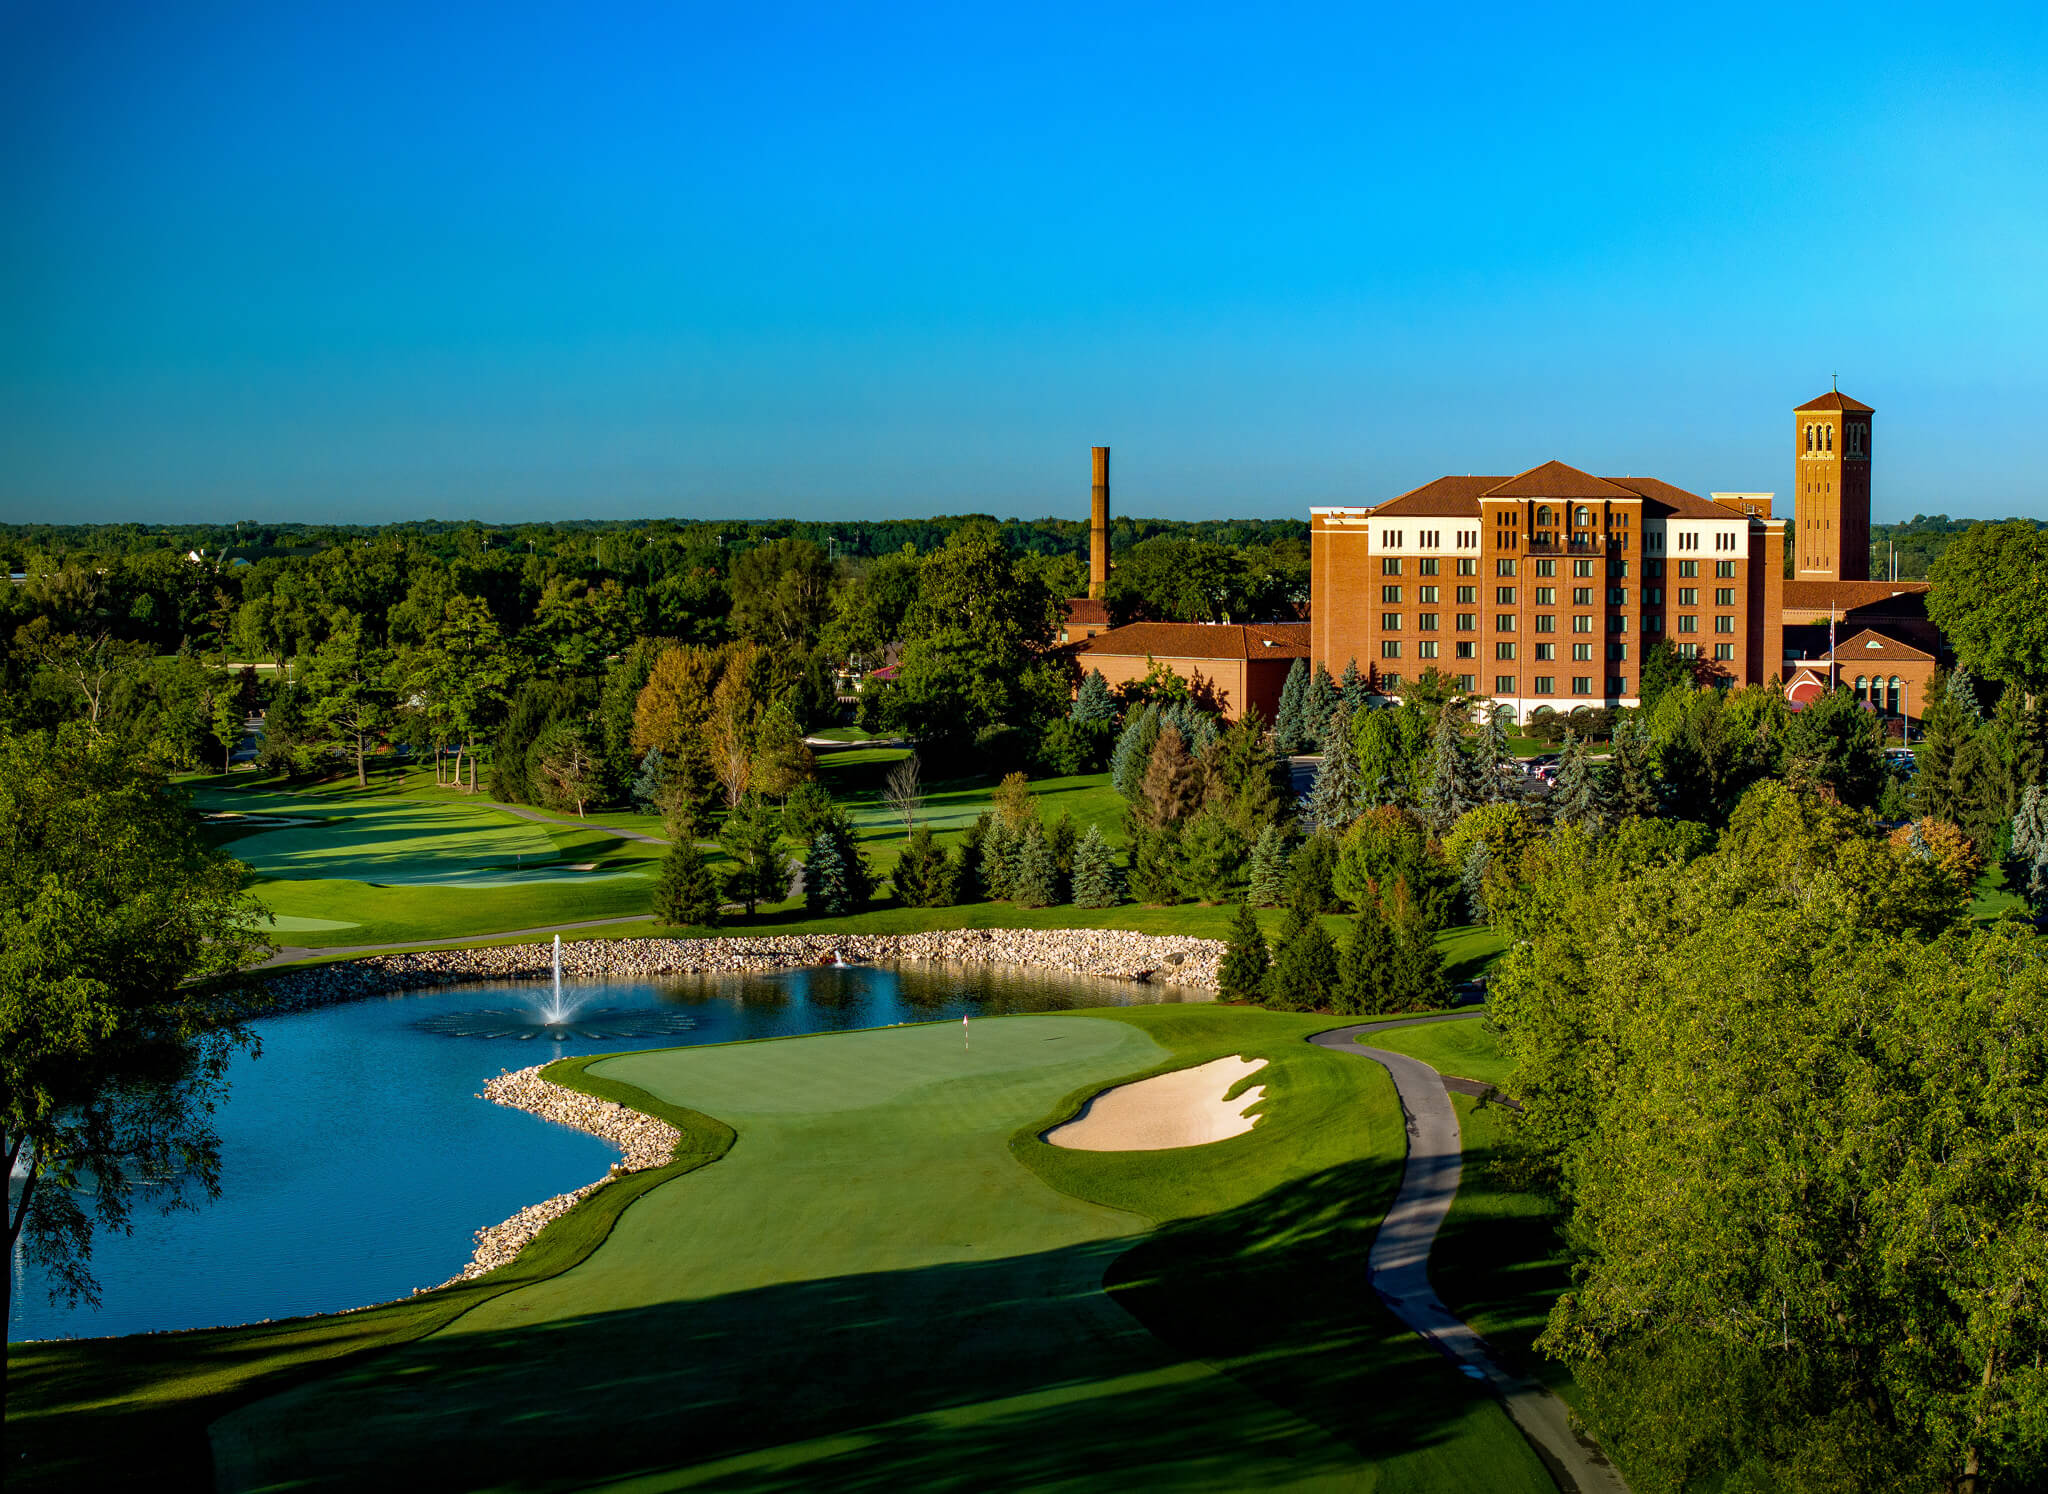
x=1399 y=1263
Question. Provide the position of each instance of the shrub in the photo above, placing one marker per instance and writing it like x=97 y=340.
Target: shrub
x=925 y=876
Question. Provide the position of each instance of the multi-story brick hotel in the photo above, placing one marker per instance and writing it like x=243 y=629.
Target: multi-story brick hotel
x=1543 y=589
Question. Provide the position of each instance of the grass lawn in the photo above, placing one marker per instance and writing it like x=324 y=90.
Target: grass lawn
x=1463 y=1049
x=1992 y=897
x=869 y=1290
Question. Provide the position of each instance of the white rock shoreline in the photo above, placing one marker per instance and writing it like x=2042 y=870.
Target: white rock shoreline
x=1113 y=954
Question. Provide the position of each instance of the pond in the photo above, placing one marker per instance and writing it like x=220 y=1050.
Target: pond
x=357 y=1160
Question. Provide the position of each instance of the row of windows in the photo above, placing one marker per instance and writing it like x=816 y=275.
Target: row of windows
x=1653 y=570
x=1427 y=565
x=1428 y=539
x=1821 y=437
x=1546 y=622
x=1546 y=684
x=1426 y=648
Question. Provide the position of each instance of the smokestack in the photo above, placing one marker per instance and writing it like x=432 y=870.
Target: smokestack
x=1098 y=526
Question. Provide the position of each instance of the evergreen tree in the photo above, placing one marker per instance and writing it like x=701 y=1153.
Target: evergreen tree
x=925 y=876
x=1266 y=878
x=1418 y=981
x=1979 y=791
x=1379 y=739
x=971 y=876
x=998 y=860
x=1631 y=793
x=808 y=806
x=1355 y=689
x=1306 y=970
x=1197 y=727
x=1338 y=797
x=1213 y=852
x=1311 y=876
x=1962 y=693
x=1242 y=778
x=1368 y=966
x=1497 y=774
x=1061 y=838
x=1133 y=752
x=647 y=782
x=687 y=892
x=1575 y=797
x=1317 y=709
x=1097 y=881
x=1289 y=737
x=1093 y=702
x=759 y=873
x=1035 y=883
x=1155 y=865
x=1472 y=870
x=1242 y=974
x=1450 y=792
x=2026 y=869
x=1172 y=787
x=1943 y=729
x=825 y=882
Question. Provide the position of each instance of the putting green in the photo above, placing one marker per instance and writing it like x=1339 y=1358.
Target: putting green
x=287 y=923
x=867 y=1291
x=397 y=841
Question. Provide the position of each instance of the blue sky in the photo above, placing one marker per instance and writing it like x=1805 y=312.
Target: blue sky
x=368 y=261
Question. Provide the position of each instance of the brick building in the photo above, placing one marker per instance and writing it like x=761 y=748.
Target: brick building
x=1228 y=665
x=1543 y=589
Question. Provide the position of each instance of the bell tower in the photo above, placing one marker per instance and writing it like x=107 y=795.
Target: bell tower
x=1831 y=489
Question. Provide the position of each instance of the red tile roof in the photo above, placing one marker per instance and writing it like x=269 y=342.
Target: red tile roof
x=1458 y=497
x=1447 y=497
x=1873 y=646
x=1087 y=612
x=1819 y=596
x=1834 y=399
x=1556 y=480
x=1201 y=641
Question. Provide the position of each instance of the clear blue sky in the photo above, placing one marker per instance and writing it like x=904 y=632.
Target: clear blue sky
x=372 y=261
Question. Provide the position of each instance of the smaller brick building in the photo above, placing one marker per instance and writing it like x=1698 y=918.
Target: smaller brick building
x=1228 y=665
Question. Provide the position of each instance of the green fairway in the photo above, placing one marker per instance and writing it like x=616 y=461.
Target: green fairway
x=870 y=1291
x=1466 y=1049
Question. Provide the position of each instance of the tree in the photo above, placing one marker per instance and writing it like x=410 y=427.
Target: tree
x=1451 y=790
x=1172 y=786
x=687 y=892
x=782 y=761
x=1418 y=982
x=1962 y=692
x=1988 y=600
x=869 y=611
x=1944 y=728
x=674 y=706
x=1662 y=670
x=2026 y=869
x=347 y=690
x=1389 y=845
x=648 y=781
x=1312 y=872
x=759 y=874
x=826 y=889
x=1631 y=791
x=807 y=807
x=1317 y=707
x=1093 y=702
x=1097 y=881
x=1242 y=974
x=1289 y=736
x=1354 y=689
x=1575 y=798
x=1979 y=791
x=1266 y=878
x=1133 y=752
x=566 y=765
x=1212 y=858
x=1306 y=972
x=925 y=876
x=1014 y=805
x=1836 y=742
x=1244 y=781
x=1156 y=876
x=229 y=722
x=1338 y=797
x=1036 y=883
x=122 y=933
x=1369 y=960
x=781 y=594
x=1388 y=744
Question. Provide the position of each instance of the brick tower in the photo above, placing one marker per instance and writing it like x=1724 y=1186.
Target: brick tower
x=1831 y=489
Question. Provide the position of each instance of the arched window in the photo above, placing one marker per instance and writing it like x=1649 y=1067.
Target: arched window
x=1862 y=688
x=1830 y=431
x=1809 y=438
x=1582 y=518
x=1897 y=703
x=1543 y=516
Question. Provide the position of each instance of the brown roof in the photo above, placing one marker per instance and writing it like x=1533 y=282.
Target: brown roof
x=1447 y=497
x=1556 y=480
x=1819 y=596
x=1676 y=502
x=1202 y=641
x=1834 y=399
x=1087 y=612
x=1876 y=647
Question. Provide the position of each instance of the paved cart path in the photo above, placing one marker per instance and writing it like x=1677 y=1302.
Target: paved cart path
x=1399 y=1261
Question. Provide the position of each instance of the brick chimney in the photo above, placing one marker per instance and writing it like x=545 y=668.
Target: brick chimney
x=1098 y=527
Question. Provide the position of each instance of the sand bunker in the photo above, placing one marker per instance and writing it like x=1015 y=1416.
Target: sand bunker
x=1184 y=1108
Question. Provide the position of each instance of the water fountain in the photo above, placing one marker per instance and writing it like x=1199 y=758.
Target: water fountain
x=559 y=1018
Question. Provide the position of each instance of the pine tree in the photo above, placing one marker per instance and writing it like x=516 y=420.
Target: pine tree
x=1631 y=794
x=1197 y=727
x=1097 y=881
x=826 y=890
x=687 y=892
x=925 y=876
x=1450 y=791
x=998 y=860
x=1062 y=837
x=1472 y=879
x=1575 y=797
x=759 y=872
x=1944 y=729
x=1289 y=737
x=1338 y=797
x=1242 y=974
x=1311 y=876
x=1418 y=982
x=1496 y=763
x=1035 y=883
x=1242 y=778
x=1172 y=786
x=971 y=876
x=1267 y=876
x=1355 y=689
x=1093 y=702
x=1979 y=792
x=1155 y=866
x=2026 y=870
x=647 y=782
x=1133 y=751
x=1962 y=691
x=1368 y=966
x=1317 y=709
x=1306 y=970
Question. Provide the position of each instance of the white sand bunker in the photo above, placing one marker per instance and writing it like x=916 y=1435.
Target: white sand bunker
x=1184 y=1108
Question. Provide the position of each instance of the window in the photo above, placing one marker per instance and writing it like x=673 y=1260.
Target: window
x=1580 y=518
x=1503 y=684
x=1581 y=652
x=1503 y=596
x=1724 y=596
x=1390 y=565
x=1468 y=594
x=1617 y=685
x=1619 y=568
x=1617 y=596
x=1582 y=624
x=1390 y=593
x=1390 y=679
x=1390 y=622
x=1390 y=648
x=1467 y=683
x=1544 y=684
x=1725 y=569
x=1467 y=566
x=1503 y=622
x=1582 y=684
x=1688 y=541
x=1546 y=622
x=1582 y=567
x=1546 y=568
x=1724 y=542
x=1546 y=651
x=1468 y=539
x=1427 y=565
x=1617 y=650
x=1546 y=596
x=1503 y=651
x=1503 y=568
x=1468 y=622
x=1688 y=624
x=1425 y=622
x=1425 y=648
x=1653 y=622
x=1654 y=569
x=1425 y=593
x=1653 y=596
x=1617 y=624
x=1688 y=650
x=1688 y=568
x=1582 y=596
x=1688 y=596
x=1543 y=516
x=1390 y=539
x=1465 y=650
x=1428 y=538
x=1724 y=651
x=1725 y=623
